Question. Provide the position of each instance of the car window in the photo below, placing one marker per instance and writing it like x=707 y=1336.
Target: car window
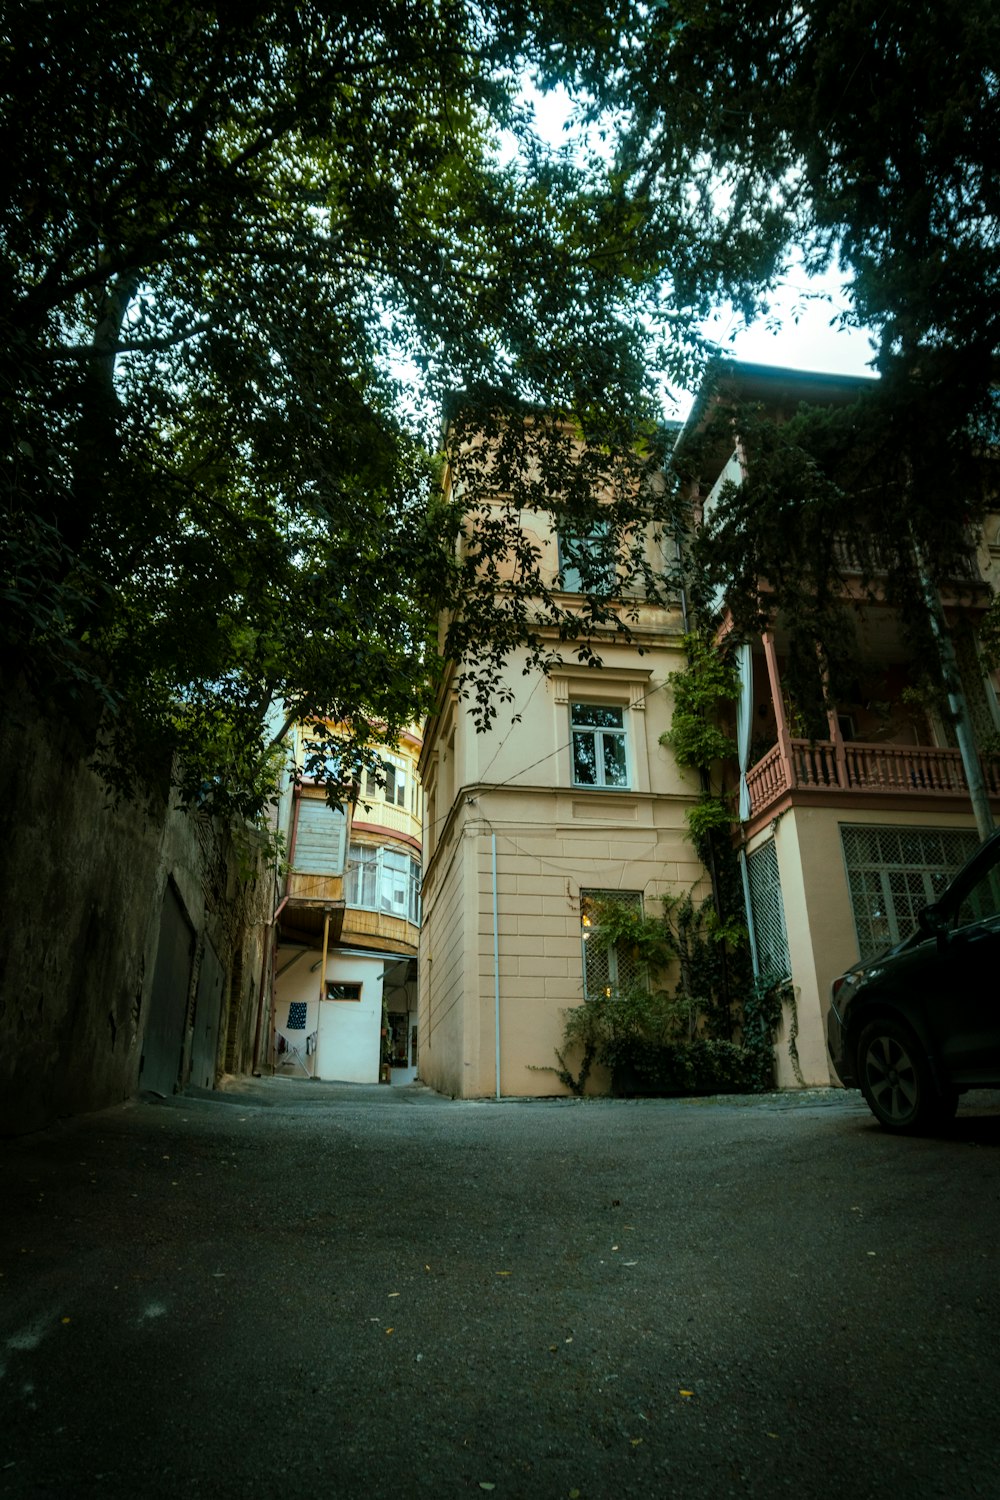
x=982 y=900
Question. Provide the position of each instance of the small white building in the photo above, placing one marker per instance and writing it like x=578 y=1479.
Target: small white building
x=345 y=1001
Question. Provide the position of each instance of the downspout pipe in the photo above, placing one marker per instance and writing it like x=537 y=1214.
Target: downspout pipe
x=496 y=958
x=266 y=958
x=957 y=702
x=269 y=940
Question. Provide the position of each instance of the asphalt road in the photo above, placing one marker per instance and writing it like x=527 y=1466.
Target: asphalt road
x=312 y=1290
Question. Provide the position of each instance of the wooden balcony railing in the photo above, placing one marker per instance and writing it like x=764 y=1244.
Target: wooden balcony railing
x=865 y=769
x=876 y=561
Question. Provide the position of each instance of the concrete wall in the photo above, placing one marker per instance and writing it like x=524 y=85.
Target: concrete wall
x=83 y=887
x=348 y=1032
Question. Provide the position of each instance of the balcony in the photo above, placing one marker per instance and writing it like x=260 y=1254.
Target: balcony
x=818 y=767
x=379 y=930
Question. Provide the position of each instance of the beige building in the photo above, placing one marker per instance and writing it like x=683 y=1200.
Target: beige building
x=847 y=835
x=570 y=794
x=345 y=969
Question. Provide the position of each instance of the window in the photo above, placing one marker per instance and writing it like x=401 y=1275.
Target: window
x=336 y=991
x=587 y=560
x=893 y=872
x=393 y=774
x=385 y=880
x=321 y=759
x=600 y=753
x=607 y=971
x=768 y=911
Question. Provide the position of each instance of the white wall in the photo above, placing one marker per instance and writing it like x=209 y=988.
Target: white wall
x=348 y=1048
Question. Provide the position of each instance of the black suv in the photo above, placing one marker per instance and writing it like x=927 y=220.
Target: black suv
x=918 y=1026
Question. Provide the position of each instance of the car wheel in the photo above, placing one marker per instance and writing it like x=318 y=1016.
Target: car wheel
x=896 y=1079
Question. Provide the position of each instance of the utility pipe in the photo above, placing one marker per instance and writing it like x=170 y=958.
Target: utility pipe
x=270 y=948
x=496 y=958
x=269 y=938
x=957 y=703
x=322 y=978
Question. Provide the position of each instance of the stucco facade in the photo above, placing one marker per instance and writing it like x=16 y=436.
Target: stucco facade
x=345 y=956
x=846 y=832
x=514 y=840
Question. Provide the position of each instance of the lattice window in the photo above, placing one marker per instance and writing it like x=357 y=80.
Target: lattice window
x=608 y=971
x=893 y=872
x=768 y=910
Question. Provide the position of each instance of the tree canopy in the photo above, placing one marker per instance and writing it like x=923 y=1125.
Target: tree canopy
x=854 y=130
x=237 y=238
x=862 y=134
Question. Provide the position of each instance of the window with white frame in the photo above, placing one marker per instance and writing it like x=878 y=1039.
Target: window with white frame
x=587 y=560
x=385 y=880
x=393 y=775
x=321 y=758
x=608 y=969
x=600 y=745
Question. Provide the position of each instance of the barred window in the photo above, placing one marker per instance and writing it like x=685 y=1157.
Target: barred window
x=607 y=971
x=893 y=872
x=768 y=912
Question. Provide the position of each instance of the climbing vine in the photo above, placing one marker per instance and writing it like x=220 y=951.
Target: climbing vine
x=698 y=1021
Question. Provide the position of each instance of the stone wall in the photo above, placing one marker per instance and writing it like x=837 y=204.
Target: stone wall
x=86 y=889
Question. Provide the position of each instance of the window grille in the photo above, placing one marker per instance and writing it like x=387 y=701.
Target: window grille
x=893 y=872
x=768 y=911
x=608 y=971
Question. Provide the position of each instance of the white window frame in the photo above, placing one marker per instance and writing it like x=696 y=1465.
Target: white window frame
x=599 y=734
x=595 y=545
x=395 y=777
x=373 y=882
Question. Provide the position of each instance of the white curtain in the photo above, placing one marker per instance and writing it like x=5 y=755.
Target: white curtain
x=744 y=721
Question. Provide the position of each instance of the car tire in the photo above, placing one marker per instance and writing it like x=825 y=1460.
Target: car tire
x=896 y=1080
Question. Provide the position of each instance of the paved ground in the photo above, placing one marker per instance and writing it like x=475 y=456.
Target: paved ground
x=299 y=1289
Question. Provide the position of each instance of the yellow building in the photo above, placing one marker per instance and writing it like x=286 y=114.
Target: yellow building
x=345 y=971
x=568 y=796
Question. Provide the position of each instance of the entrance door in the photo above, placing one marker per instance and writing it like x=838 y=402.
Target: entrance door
x=207 y=1014
x=163 y=1041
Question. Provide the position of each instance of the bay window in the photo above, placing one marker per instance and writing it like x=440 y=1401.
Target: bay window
x=384 y=880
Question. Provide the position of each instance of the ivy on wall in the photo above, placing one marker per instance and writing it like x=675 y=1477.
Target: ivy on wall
x=699 y=1022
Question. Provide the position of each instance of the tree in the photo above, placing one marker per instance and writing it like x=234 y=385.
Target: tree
x=235 y=233
x=855 y=132
x=842 y=132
